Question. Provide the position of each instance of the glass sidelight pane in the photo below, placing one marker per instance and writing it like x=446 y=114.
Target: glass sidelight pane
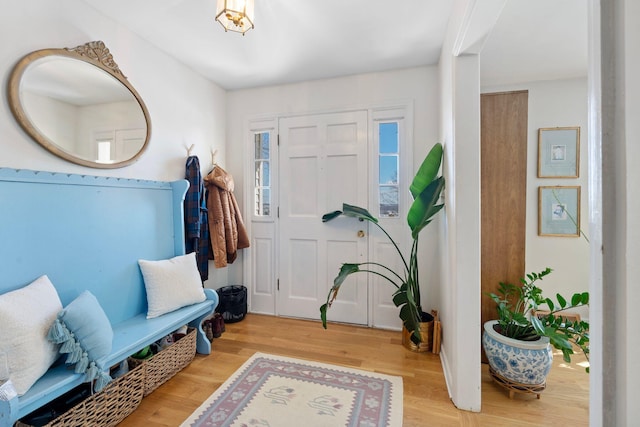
x=388 y=133
x=263 y=202
x=262 y=176
x=388 y=201
x=262 y=146
x=388 y=169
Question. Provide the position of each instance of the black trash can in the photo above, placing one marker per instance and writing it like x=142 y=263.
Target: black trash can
x=233 y=303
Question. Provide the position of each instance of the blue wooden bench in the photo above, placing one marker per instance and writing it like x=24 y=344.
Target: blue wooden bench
x=88 y=233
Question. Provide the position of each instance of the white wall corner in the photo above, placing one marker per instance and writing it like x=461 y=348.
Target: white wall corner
x=446 y=369
x=470 y=24
x=478 y=21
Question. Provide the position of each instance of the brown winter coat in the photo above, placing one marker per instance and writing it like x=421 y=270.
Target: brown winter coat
x=226 y=228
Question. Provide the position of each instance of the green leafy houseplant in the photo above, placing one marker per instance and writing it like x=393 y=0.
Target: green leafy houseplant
x=517 y=318
x=426 y=189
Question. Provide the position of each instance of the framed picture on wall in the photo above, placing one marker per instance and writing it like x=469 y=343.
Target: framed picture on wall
x=559 y=152
x=559 y=211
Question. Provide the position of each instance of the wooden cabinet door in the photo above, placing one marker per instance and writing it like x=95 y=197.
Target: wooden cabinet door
x=503 y=187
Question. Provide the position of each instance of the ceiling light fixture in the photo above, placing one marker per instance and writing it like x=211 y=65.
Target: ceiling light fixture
x=235 y=15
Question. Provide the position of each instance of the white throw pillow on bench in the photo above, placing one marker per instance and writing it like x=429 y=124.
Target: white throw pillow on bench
x=26 y=315
x=171 y=284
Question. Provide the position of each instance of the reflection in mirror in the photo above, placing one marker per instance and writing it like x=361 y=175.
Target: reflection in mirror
x=78 y=105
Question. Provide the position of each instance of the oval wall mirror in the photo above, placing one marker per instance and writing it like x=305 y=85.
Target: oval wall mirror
x=77 y=104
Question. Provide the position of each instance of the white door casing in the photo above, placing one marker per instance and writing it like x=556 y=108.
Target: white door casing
x=260 y=260
x=263 y=263
x=384 y=314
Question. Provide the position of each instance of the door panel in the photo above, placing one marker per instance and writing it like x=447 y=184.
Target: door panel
x=303 y=187
x=323 y=163
x=341 y=181
x=262 y=249
x=302 y=262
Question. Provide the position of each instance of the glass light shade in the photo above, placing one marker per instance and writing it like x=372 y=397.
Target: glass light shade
x=235 y=15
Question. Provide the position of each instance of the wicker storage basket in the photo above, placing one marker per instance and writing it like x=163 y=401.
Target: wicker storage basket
x=168 y=362
x=107 y=408
x=123 y=395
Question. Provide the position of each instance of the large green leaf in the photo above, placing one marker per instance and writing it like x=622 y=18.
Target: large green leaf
x=400 y=298
x=345 y=271
x=350 y=211
x=331 y=215
x=424 y=207
x=427 y=171
x=410 y=321
x=537 y=325
x=580 y=298
x=561 y=301
x=408 y=311
x=323 y=315
x=357 y=212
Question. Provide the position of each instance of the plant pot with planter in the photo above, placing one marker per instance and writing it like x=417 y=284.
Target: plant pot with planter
x=426 y=189
x=519 y=344
x=517 y=365
x=426 y=331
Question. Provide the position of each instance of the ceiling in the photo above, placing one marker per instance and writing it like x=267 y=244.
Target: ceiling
x=536 y=40
x=297 y=41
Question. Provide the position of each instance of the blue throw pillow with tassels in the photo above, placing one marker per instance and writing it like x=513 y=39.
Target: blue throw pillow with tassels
x=85 y=334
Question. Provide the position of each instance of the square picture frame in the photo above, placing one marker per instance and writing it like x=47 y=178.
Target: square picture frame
x=559 y=152
x=559 y=211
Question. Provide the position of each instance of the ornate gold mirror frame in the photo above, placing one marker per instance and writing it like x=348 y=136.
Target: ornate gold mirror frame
x=77 y=104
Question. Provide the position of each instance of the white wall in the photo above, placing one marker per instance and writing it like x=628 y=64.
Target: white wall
x=185 y=108
x=416 y=84
x=551 y=104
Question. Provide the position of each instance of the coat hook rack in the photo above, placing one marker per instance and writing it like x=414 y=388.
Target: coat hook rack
x=213 y=156
x=190 y=149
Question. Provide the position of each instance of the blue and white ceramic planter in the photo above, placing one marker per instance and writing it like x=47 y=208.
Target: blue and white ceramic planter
x=524 y=362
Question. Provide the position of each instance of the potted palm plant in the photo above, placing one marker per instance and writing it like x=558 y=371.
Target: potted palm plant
x=518 y=344
x=426 y=189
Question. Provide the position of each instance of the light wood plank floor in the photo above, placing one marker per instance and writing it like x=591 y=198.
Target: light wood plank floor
x=426 y=401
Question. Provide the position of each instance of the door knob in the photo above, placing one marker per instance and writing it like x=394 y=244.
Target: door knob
x=360 y=233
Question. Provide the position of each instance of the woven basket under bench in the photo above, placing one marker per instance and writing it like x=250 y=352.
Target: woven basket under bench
x=109 y=407
x=123 y=395
x=168 y=362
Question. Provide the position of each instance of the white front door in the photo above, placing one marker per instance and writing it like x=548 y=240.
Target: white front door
x=323 y=163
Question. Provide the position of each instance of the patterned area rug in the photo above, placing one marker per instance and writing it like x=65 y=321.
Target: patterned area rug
x=275 y=391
